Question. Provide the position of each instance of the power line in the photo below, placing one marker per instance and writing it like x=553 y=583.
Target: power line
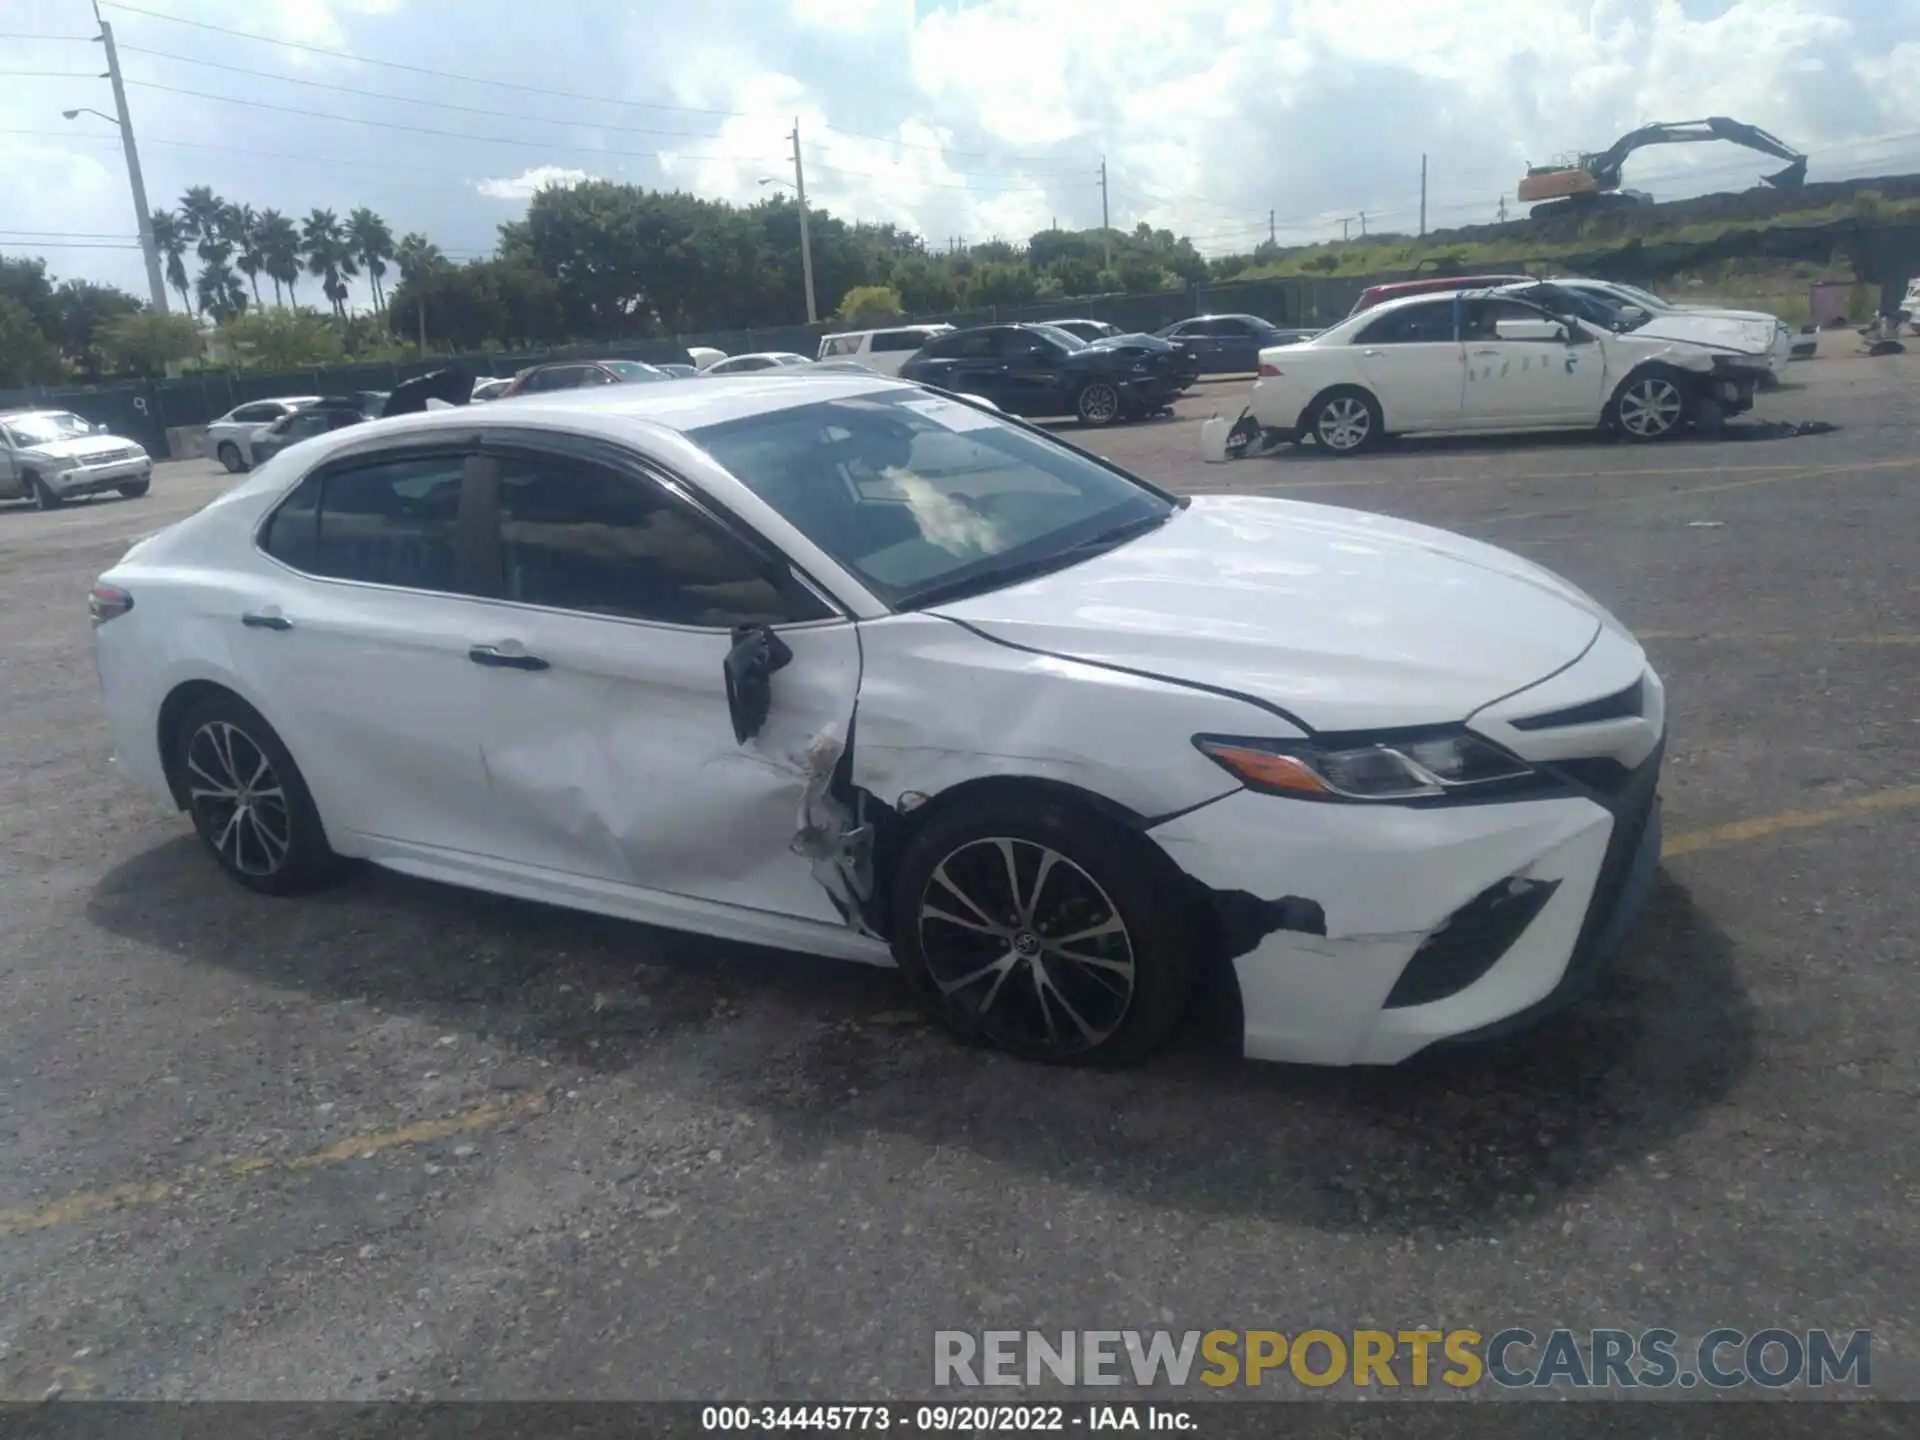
x=69 y=39
x=74 y=234
x=56 y=74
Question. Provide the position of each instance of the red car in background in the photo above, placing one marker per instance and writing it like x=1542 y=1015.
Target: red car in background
x=1431 y=284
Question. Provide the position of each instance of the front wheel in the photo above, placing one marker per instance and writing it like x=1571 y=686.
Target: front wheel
x=1045 y=931
x=135 y=490
x=45 y=497
x=1098 y=404
x=1649 y=406
x=1345 y=422
x=248 y=801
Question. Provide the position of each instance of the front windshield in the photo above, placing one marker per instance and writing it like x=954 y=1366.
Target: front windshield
x=633 y=370
x=1645 y=299
x=47 y=429
x=924 y=498
x=1065 y=337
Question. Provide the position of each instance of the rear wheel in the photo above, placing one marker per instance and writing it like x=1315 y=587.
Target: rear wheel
x=229 y=456
x=1345 y=421
x=1098 y=403
x=1649 y=405
x=1044 y=930
x=248 y=801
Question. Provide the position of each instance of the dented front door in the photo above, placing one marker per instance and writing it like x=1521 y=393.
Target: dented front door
x=617 y=760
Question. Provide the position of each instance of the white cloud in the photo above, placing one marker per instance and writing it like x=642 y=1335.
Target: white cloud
x=528 y=182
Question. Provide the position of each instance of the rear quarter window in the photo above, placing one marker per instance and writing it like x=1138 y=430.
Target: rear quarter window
x=895 y=340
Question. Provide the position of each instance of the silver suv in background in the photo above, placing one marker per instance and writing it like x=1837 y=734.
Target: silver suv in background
x=51 y=456
x=882 y=350
x=230 y=438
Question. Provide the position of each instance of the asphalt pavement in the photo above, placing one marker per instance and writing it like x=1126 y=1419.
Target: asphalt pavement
x=405 y=1140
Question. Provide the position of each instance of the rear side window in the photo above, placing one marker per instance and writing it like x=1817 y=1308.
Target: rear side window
x=1427 y=323
x=890 y=340
x=385 y=522
x=843 y=345
x=258 y=413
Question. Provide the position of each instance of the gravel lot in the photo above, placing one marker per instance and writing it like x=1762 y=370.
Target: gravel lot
x=403 y=1139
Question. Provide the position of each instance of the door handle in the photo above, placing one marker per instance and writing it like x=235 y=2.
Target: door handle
x=254 y=620
x=502 y=660
x=1373 y=354
x=1486 y=352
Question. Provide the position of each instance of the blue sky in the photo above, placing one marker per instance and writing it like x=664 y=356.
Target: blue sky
x=959 y=118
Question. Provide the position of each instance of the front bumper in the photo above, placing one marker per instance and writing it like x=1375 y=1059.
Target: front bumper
x=1390 y=879
x=92 y=479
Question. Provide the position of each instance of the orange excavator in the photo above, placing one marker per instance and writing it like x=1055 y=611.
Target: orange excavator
x=1592 y=181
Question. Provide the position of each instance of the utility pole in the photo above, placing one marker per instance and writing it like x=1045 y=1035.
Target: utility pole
x=1106 y=225
x=1343 y=227
x=806 y=241
x=1502 y=212
x=1363 y=222
x=1423 y=194
x=156 y=282
x=1273 y=235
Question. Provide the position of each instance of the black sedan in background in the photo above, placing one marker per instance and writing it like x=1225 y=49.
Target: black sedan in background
x=1037 y=370
x=1229 y=344
x=331 y=412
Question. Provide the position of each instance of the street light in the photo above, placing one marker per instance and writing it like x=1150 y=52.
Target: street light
x=799 y=188
x=121 y=121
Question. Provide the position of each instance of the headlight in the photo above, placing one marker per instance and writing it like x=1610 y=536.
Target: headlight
x=1426 y=767
x=60 y=464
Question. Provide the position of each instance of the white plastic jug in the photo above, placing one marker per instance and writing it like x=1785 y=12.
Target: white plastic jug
x=1213 y=439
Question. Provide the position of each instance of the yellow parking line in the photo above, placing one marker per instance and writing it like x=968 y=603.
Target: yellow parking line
x=1761 y=827
x=86 y=1204
x=1777 y=637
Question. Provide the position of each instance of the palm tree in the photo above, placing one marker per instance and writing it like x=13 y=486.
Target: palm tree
x=170 y=239
x=220 y=292
x=279 y=242
x=252 y=259
x=415 y=255
x=372 y=245
x=329 y=256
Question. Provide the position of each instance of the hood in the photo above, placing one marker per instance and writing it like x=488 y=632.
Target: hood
x=1347 y=620
x=85 y=447
x=1722 y=330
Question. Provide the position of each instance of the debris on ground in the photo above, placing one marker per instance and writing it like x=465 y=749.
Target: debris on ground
x=1776 y=429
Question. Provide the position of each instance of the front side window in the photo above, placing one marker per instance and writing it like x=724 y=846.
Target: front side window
x=923 y=498
x=574 y=535
x=1428 y=323
x=632 y=370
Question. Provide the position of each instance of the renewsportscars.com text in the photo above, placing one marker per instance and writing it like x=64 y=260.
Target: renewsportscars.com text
x=1512 y=1358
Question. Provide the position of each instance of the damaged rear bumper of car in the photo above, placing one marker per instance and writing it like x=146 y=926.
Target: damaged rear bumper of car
x=1449 y=925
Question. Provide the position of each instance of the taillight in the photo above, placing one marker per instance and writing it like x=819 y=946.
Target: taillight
x=108 y=602
x=1269 y=369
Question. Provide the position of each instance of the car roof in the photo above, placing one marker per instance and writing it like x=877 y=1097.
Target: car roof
x=26 y=410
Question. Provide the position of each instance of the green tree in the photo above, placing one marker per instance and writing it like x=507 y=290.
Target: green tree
x=329 y=257
x=251 y=258
x=27 y=357
x=145 y=343
x=484 y=304
x=279 y=242
x=82 y=309
x=415 y=255
x=870 y=302
x=170 y=238
x=27 y=284
x=283 y=339
x=372 y=245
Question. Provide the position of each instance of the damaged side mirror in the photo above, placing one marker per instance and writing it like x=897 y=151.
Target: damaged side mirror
x=757 y=652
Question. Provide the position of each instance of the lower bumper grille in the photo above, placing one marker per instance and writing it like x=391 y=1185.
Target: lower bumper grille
x=1470 y=942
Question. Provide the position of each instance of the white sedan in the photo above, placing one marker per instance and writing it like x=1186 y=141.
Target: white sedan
x=1489 y=361
x=230 y=438
x=839 y=665
x=760 y=360
x=1753 y=332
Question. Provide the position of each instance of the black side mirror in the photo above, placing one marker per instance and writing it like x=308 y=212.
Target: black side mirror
x=757 y=652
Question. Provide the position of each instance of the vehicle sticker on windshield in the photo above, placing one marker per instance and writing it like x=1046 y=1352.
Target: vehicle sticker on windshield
x=950 y=415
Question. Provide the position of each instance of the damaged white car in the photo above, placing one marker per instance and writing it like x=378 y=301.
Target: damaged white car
x=1487 y=361
x=836 y=664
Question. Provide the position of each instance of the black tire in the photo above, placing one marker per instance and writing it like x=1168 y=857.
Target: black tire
x=280 y=848
x=44 y=495
x=1098 y=404
x=1345 y=421
x=135 y=490
x=1650 y=406
x=987 y=986
x=229 y=455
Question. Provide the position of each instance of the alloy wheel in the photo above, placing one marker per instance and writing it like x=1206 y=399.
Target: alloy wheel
x=1019 y=935
x=237 y=799
x=1345 y=423
x=1099 y=403
x=1650 y=407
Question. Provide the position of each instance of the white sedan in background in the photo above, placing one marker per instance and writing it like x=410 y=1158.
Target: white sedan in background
x=230 y=438
x=1474 y=361
x=760 y=360
x=1749 y=331
x=836 y=664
